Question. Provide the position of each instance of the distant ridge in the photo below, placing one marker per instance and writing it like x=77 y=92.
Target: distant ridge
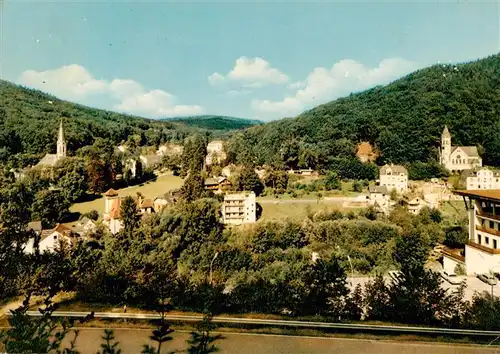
x=215 y=122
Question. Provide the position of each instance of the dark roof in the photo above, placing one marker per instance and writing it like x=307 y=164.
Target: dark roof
x=36 y=226
x=394 y=168
x=378 y=189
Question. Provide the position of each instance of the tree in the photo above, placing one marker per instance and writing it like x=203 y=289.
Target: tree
x=50 y=207
x=130 y=215
x=249 y=180
x=332 y=181
x=327 y=288
x=357 y=186
x=202 y=340
x=108 y=347
x=377 y=299
x=37 y=335
x=456 y=237
x=193 y=187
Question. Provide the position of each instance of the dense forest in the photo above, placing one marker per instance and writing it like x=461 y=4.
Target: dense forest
x=211 y=122
x=403 y=119
x=29 y=121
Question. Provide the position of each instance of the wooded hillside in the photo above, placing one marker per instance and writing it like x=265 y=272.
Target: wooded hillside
x=404 y=119
x=211 y=122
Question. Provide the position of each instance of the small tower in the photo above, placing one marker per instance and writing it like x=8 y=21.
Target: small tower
x=109 y=197
x=61 y=143
x=445 y=147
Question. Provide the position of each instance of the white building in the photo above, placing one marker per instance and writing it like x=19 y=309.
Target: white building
x=112 y=209
x=215 y=152
x=483 y=179
x=457 y=158
x=239 y=208
x=394 y=177
x=416 y=204
x=379 y=197
x=52 y=159
x=170 y=149
x=482 y=250
x=51 y=240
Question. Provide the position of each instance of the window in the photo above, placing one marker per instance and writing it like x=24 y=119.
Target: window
x=494 y=243
x=487 y=240
x=55 y=237
x=492 y=225
x=479 y=239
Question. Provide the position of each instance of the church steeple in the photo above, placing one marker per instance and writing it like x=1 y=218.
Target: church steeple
x=61 y=143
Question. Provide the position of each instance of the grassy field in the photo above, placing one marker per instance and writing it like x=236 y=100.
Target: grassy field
x=149 y=190
x=454 y=208
x=297 y=211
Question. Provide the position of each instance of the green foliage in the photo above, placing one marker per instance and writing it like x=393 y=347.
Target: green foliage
x=216 y=122
x=332 y=182
x=130 y=215
x=249 y=180
x=202 y=340
x=193 y=187
x=456 y=237
x=108 y=347
x=403 y=119
x=419 y=170
x=50 y=206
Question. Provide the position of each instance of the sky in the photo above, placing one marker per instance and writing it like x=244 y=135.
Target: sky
x=259 y=60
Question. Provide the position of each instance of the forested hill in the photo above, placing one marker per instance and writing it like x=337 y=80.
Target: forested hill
x=29 y=120
x=212 y=122
x=403 y=119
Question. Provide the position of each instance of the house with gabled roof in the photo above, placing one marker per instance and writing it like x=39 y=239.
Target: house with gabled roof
x=52 y=239
x=394 y=177
x=218 y=184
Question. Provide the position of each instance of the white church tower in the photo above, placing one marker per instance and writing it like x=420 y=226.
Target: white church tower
x=445 y=152
x=61 y=143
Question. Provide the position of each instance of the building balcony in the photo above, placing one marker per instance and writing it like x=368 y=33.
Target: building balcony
x=485 y=214
x=483 y=248
x=488 y=230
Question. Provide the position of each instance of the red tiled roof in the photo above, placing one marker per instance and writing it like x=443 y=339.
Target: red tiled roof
x=111 y=193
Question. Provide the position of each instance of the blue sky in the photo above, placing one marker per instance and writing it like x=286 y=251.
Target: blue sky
x=264 y=60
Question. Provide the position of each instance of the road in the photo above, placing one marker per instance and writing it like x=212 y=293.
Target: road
x=132 y=341
x=473 y=285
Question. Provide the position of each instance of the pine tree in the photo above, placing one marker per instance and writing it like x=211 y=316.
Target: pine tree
x=202 y=340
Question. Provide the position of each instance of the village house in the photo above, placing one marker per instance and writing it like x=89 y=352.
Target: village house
x=379 y=197
x=215 y=152
x=482 y=250
x=239 y=208
x=415 y=204
x=302 y=172
x=365 y=152
x=50 y=160
x=170 y=149
x=112 y=209
x=483 y=178
x=150 y=160
x=394 y=177
x=218 y=184
x=457 y=158
x=163 y=201
x=51 y=240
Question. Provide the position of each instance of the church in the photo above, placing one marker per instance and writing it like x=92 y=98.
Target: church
x=51 y=159
x=457 y=158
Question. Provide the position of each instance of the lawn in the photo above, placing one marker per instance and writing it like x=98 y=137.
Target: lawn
x=297 y=211
x=151 y=190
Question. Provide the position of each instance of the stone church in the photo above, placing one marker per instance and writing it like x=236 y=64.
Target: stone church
x=457 y=158
x=51 y=159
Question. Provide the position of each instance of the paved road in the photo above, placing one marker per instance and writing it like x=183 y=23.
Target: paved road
x=473 y=285
x=132 y=341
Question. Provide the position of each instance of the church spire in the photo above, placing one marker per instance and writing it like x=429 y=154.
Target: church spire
x=61 y=143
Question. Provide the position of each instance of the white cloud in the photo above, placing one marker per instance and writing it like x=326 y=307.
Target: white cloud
x=296 y=85
x=75 y=83
x=235 y=93
x=343 y=77
x=250 y=72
